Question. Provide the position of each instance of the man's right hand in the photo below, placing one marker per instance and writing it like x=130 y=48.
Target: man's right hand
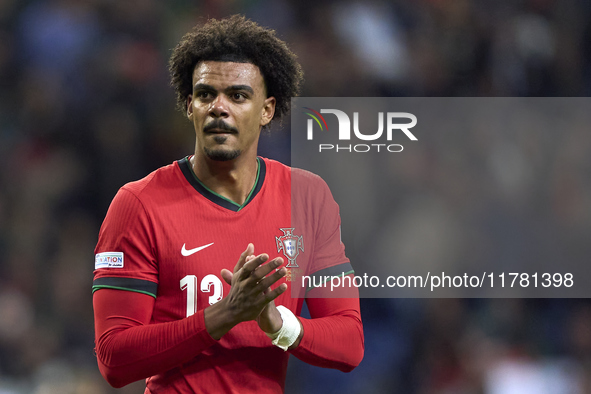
x=249 y=293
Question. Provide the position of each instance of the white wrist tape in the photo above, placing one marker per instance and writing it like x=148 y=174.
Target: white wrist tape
x=290 y=330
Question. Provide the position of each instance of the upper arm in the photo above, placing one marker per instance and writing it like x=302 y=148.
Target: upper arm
x=127 y=237
x=124 y=291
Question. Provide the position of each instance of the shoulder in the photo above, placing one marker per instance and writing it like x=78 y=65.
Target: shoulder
x=307 y=178
x=308 y=191
x=297 y=175
x=303 y=186
x=150 y=192
x=159 y=181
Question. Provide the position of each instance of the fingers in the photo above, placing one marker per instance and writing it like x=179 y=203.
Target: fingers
x=268 y=281
x=271 y=295
x=243 y=257
x=227 y=276
x=263 y=270
x=251 y=284
x=253 y=264
x=261 y=276
x=250 y=266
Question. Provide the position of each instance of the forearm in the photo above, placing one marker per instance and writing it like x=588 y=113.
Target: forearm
x=334 y=341
x=129 y=349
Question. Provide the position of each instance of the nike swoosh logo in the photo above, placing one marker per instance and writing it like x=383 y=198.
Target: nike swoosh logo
x=189 y=252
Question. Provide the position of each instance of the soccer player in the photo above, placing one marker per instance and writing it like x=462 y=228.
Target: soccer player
x=171 y=303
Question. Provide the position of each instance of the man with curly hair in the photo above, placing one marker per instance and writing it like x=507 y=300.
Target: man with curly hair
x=171 y=306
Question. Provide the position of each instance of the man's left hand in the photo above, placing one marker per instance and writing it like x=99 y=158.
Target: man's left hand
x=269 y=320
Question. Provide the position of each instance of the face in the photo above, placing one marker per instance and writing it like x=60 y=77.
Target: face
x=228 y=108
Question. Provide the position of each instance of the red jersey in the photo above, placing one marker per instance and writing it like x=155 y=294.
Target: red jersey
x=168 y=236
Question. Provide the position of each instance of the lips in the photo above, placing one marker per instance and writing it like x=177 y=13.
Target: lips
x=220 y=131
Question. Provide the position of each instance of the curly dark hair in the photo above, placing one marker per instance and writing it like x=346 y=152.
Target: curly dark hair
x=237 y=39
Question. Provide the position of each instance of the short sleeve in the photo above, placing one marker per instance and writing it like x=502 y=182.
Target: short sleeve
x=125 y=255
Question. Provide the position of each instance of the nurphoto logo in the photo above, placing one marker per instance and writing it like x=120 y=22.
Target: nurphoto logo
x=393 y=126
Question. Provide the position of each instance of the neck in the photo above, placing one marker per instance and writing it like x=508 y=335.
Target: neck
x=233 y=179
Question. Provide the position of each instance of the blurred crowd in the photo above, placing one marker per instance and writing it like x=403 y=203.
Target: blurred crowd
x=85 y=106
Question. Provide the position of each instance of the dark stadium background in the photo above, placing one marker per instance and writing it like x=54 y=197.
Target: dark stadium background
x=85 y=106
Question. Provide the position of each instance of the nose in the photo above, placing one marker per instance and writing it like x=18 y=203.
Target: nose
x=218 y=107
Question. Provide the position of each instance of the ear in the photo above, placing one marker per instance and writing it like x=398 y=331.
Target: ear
x=190 y=106
x=268 y=111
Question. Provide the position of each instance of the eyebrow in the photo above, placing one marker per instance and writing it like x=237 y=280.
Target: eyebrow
x=241 y=87
x=203 y=86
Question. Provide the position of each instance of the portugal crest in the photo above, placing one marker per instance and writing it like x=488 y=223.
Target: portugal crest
x=291 y=245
